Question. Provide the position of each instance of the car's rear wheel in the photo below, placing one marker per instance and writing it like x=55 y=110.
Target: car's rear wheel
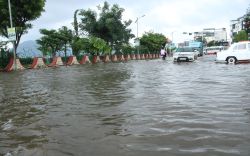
x=231 y=60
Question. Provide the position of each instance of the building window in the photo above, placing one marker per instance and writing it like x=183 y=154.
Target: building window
x=233 y=26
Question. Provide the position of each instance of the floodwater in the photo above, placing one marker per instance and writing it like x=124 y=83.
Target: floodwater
x=139 y=108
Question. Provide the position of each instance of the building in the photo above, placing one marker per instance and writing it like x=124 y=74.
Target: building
x=236 y=26
x=212 y=34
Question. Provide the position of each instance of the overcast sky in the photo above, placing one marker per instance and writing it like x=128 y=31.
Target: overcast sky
x=161 y=16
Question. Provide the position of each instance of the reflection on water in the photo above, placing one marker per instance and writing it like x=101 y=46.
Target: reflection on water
x=136 y=108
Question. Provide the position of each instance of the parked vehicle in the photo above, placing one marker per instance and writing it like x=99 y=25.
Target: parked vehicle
x=237 y=53
x=185 y=54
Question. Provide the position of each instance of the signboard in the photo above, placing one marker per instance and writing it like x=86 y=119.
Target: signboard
x=137 y=42
x=11 y=34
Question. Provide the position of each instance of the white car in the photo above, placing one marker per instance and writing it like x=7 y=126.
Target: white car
x=237 y=53
x=185 y=54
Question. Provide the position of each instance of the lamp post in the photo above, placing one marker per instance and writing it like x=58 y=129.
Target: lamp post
x=172 y=33
x=14 y=45
x=137 y=21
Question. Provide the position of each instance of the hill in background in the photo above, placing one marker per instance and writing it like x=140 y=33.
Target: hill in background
x=28 y=49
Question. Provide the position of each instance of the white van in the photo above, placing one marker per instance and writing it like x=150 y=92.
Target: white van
x=237 y=53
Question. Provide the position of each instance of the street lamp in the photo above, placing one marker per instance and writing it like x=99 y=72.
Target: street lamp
x=172 y=33
x=14 y=46
x=137 y=21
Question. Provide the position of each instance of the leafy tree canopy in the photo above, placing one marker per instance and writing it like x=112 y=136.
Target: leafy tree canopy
x=80 y=45
x=23 y=12
x=98 y=45
x=107 y=25
x=247 y=22
x=51 y=41
x=241 y=36
x=153 y=41
x=127 y=49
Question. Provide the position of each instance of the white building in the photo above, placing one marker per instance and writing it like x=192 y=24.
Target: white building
x=236 y=26
x=212 y=34
x=220 y=34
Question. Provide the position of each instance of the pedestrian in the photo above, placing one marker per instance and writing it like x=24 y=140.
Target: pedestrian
x=163 y=53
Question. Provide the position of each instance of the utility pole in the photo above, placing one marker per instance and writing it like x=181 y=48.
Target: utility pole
x=14 y=44
x=138 y=41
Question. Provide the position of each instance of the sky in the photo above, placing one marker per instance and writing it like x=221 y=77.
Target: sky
x=168 y=17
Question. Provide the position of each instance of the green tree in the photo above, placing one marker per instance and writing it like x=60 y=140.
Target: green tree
x=23 y=12
x=50 y=42
x=247 y=23
x=65 y=36
x=109 y=26
x=98 y=45
x=53 y=41
x=241 y=36
x=213 y=43
x=79 y=45
x=153 y=42
x=127 y=49
x=75 y=23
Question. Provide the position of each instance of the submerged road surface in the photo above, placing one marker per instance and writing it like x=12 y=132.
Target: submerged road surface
x=139 y=108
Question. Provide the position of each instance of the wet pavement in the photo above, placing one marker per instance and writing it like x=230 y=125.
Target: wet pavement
x=149 y=108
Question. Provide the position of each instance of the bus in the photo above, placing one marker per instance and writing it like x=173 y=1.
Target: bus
x=213 y=50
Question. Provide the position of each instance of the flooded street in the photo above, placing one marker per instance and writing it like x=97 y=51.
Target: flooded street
x=147 y=108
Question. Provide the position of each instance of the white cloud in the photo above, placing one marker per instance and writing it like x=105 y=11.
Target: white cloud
x=162 y=16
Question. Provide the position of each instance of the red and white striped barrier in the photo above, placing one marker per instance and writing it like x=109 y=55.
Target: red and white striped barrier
x=38 y=63
x=153 y=56
x=127 y=57
x=132 y=56
x=57 y=61
x=106 y=59
x=137 y=56
x=121 y=58
x=72 y=61
x=96 y=59
x=114 y=58
x=85 y=59
x=142 y=57
x=11 y=65
x=150 y=56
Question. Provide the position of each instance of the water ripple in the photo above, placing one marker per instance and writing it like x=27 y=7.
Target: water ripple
x=138 y=108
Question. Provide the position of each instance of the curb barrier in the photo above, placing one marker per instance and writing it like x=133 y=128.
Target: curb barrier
x=137 y=57
x=85 y=59
x=106 y=59
x=96 y=59
x=142 y=57
x=11 y=65
x=114 y=58
x=38 y=63
x=72 y=61
x=57 y=61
